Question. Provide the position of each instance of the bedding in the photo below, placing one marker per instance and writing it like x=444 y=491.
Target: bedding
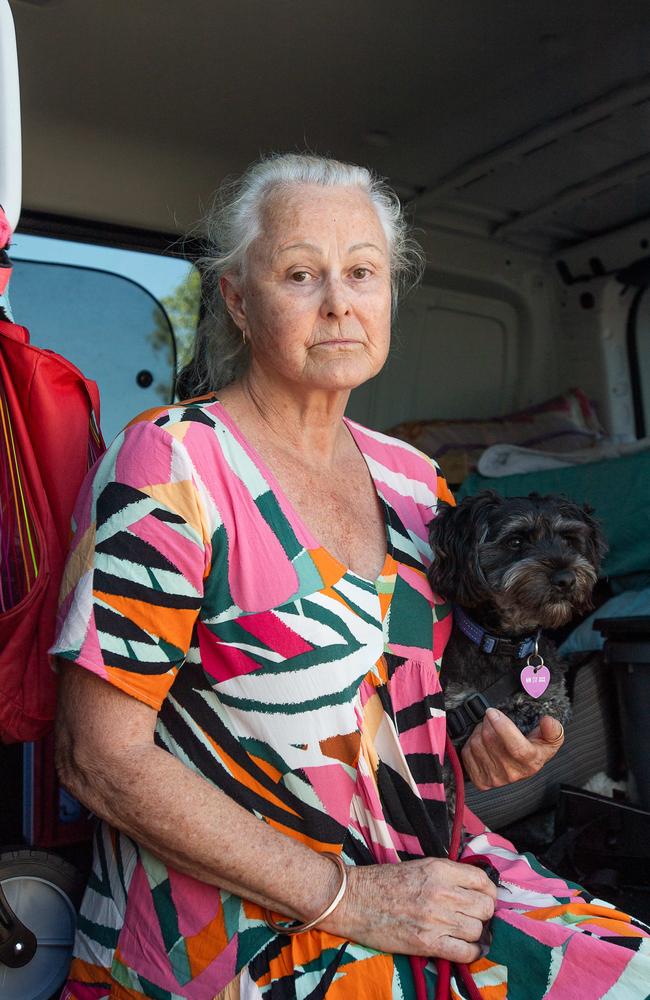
x=564 y=423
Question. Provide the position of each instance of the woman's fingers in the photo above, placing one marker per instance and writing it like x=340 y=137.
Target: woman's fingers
x=497 y=753
x=482 y=770
x=474 y=889
x=473 y=767
x=478 y=904
x=455 y=950
x=549 y=734
x=465 y=887
x=466 y=928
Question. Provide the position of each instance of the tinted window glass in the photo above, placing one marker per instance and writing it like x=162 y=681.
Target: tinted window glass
x=107 y=325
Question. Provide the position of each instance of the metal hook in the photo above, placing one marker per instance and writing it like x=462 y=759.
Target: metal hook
x=535 y=655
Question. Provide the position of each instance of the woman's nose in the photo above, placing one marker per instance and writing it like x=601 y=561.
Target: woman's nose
x=335 y=299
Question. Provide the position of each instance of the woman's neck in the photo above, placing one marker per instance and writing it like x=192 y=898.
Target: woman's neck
x=300 y=420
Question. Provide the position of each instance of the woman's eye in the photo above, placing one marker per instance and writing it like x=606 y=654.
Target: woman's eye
x=300 y=277
x=360 y=272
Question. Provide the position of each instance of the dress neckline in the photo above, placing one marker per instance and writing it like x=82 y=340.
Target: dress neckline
x=289 y=510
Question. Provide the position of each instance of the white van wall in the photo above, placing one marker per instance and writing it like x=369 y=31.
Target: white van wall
x=477 y=339
x=594 y=316
x=593 y=336
x=493 y=329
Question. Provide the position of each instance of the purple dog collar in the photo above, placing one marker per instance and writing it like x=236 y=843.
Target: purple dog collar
x=520 y=648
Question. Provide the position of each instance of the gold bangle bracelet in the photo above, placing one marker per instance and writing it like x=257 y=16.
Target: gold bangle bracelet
x=298 y=928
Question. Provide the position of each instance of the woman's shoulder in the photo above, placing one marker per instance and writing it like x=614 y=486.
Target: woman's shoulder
x=164 y=444
x=185 y=426
x=201 y=410
x=401 y=458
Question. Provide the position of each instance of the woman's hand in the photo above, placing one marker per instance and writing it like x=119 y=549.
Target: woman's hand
x=429 y=907
x=497 y=753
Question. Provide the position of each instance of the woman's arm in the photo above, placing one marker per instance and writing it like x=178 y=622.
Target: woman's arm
x=107 y=758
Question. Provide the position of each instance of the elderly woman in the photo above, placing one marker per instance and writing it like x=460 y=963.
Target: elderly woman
x=254 y=709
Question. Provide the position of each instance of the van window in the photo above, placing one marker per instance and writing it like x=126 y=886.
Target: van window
x=123 y=321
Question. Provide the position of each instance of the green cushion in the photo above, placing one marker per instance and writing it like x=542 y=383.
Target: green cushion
x=618 y=489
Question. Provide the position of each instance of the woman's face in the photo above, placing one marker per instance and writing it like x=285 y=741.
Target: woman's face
x=315 y=301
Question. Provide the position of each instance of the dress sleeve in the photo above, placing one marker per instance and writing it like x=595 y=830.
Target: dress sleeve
x=442 y=489
x=431 y=474
x=133 y=584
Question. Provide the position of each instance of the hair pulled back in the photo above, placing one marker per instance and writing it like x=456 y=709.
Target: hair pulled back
x=234 y=222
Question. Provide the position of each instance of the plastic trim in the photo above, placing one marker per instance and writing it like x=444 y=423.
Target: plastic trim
x=10 y=135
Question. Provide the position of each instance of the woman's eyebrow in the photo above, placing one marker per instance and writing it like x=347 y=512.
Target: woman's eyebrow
x=365 y=246
x=297 y=246
x=316 y=249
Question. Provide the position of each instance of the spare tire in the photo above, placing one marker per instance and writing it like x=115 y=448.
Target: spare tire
x=44 y=891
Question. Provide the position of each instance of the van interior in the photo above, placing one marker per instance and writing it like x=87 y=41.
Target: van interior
x=517 y=135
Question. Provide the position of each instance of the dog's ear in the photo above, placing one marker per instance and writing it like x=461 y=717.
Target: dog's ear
x=456 y=535
x=597 y=543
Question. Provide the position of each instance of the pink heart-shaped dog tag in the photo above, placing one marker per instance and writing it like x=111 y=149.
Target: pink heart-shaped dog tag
x=535 y=680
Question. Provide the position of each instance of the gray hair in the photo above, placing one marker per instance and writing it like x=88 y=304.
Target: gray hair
x=235 y=221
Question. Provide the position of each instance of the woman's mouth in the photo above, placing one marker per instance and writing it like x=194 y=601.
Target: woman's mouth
x=337 y=343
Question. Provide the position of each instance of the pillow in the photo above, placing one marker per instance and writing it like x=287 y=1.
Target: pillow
x=563 y=423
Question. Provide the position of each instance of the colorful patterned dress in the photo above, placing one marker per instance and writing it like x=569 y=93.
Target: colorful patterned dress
x=311 y=696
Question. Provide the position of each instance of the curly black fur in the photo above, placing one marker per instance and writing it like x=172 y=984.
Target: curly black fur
x=515 y=565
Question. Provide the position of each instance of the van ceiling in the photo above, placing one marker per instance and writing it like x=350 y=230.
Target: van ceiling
x=527 y=120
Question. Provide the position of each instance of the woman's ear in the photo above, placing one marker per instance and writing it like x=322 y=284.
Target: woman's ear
x=232 y=295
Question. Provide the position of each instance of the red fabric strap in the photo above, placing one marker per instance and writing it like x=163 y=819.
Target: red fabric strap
x=443 y=964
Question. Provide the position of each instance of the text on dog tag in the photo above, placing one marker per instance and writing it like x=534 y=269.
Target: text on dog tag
x=535 y=680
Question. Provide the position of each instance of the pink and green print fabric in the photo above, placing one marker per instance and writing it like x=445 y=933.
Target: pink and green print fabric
x=308 y=694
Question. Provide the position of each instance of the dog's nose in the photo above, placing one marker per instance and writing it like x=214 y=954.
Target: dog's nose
x=563 y=579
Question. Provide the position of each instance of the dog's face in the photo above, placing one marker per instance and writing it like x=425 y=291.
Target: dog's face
x=532 y=560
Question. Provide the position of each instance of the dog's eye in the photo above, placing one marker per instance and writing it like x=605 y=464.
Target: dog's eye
x=514 y=543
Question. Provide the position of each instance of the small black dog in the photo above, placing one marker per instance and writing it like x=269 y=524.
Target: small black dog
x=511 y=567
